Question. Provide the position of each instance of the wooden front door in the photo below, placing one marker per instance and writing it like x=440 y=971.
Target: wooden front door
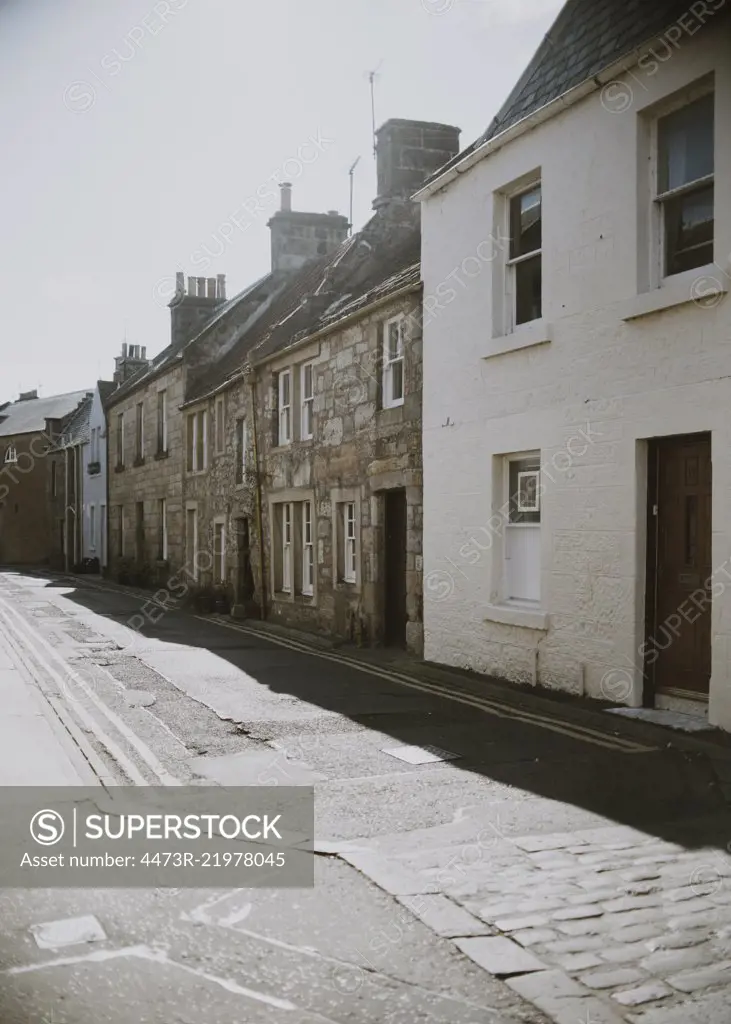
x=678 y=647
x=395 y=568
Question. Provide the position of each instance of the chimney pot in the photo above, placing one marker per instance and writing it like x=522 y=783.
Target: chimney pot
x=180 y=283
x=124 y=350
x=211 y=287
x=144 y=352
x=201 y=287
x=191 y=286
x=221 y=279
x=285 y=194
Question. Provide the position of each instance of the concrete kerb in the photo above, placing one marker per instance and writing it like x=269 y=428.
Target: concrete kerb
x=717 y=746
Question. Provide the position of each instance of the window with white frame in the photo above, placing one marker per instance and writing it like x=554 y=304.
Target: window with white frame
x=284 y=394
x=120 y=440
x=525 y=262
x=140 y=433
x=522 y=547
x=308 y=552
x=197 y=441
x=242 y=441
x=220 y=436
x=349 y=535
x=162 y=422
x=393 y=362
x=685 y=186
x=307 y=397
x=287 y=547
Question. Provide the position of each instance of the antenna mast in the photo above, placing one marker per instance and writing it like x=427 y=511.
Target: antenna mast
x=350 y=173
x=372 y=81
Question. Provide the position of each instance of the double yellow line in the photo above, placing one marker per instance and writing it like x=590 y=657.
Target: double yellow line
x=488 y=705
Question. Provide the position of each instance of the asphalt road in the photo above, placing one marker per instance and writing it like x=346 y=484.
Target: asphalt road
x=188 y=700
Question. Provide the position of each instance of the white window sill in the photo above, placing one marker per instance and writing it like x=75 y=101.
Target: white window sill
x=705 y=286
x=537 y=332
x=517 y=615
x=394 y=405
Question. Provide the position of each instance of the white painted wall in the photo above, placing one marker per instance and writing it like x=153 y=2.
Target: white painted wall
x=95 y=487
x=618 y=381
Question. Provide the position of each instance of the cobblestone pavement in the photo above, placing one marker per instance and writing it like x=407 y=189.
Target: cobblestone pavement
x=608 y=924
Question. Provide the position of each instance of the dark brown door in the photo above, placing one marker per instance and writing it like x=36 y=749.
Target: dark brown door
x=395 y=569
x=678 y=648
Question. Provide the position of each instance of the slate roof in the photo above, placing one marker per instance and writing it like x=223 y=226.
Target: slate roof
x=106 y=389
x=587 y=37
x=30 y=416
x=75 y=427
x=382 y=258
x=285 y=301
x=172 y=354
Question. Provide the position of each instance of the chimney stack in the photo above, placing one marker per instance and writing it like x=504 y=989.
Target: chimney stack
x=298 y=236
x=133 y=358
x=189 y=310
x=407 y=153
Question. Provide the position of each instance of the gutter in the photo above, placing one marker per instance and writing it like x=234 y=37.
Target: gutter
x=563 y=102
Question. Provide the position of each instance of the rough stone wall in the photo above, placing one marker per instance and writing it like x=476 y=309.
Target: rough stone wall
x=215 y=492
x=358 y=452
x=158 y=476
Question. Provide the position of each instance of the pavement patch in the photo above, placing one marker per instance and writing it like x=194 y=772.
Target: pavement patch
x=420 y=755
x=70 y=931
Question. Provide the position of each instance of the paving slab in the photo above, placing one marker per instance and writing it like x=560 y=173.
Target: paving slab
x=499 y=956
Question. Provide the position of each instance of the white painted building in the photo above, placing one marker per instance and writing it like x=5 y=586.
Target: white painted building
x=94 y=479
x=577 y=368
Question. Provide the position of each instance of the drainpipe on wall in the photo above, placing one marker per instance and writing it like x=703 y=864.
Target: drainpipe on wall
x=66 y=511
x=262 y=570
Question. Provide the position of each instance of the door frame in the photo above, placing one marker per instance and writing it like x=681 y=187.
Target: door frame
x=654 y=446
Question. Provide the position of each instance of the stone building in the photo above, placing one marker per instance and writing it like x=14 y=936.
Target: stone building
x=144 y=442
x=320 y=449
x=29 y=476
x=159 y=455
x=221 y=499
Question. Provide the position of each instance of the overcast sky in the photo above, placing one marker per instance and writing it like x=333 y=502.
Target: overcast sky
x=134 y=130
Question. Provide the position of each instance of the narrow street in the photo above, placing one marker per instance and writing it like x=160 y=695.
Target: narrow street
x=555 y=866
